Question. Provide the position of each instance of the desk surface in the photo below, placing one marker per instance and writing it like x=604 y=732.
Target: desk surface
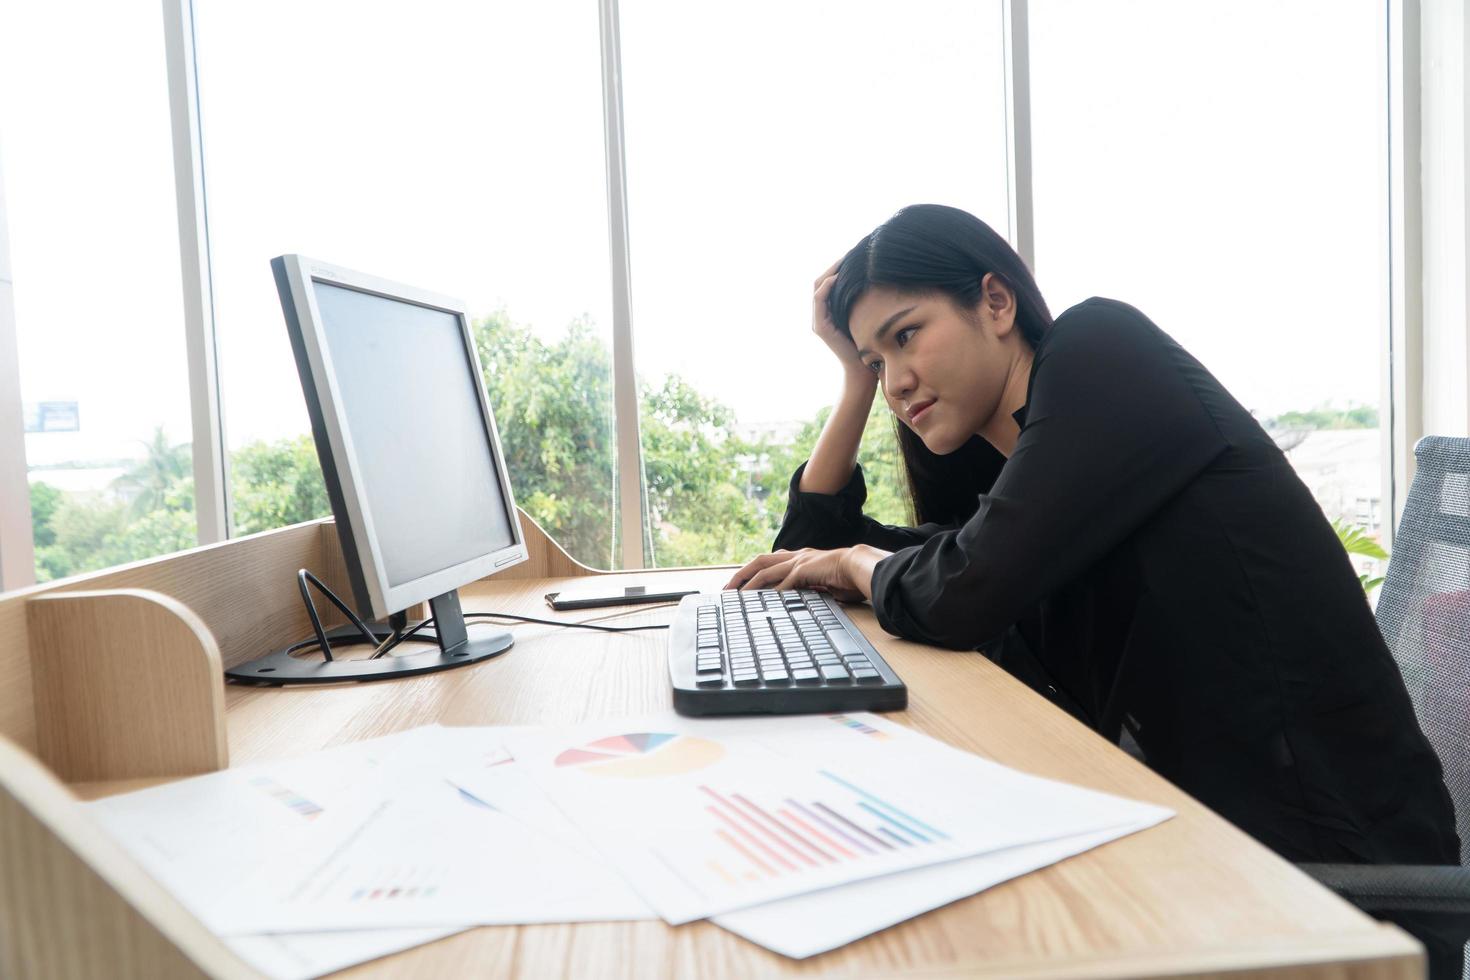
x=1194 y=895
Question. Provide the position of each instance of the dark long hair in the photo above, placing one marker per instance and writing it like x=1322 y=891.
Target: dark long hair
x=927 y=249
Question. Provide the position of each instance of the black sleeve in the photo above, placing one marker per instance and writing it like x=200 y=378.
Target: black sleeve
x=836 y=520
x=1114 y=429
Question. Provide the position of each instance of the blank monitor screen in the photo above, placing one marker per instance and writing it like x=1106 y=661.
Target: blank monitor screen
x=409 y=394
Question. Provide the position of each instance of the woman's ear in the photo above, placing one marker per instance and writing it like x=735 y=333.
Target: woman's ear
x=998 y=304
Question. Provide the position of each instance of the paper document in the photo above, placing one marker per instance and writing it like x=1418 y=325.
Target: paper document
x=200 y=837
x=438 y=857
x=800 y=833
x=704 y=817
x=820 y=921
x=304 y=955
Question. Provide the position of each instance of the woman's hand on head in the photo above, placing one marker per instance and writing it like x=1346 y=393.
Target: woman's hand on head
x=837 y=342
x=847 y=573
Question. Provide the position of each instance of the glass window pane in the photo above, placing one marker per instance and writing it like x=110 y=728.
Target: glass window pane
x=762 y=146
x=88 y=167
x=457 y=148
x=1220 y=166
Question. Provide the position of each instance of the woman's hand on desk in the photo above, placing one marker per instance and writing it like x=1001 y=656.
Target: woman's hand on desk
x=847 y=573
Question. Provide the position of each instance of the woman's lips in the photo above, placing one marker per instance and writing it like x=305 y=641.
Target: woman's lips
x=920 y=410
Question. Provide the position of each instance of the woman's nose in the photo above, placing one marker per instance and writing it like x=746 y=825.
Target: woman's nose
x=901 y=382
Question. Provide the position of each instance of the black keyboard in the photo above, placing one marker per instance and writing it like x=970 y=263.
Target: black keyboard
x=769 y=652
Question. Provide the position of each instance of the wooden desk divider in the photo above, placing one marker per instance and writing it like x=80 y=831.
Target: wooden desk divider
x=87 y=659
x=74 y=904
x=128 y=683
x=119 y=674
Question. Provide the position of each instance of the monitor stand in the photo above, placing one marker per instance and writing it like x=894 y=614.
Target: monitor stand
x=455 y=649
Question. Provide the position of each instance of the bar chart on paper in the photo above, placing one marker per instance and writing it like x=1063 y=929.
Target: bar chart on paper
x=703 y=818
x=840 y=822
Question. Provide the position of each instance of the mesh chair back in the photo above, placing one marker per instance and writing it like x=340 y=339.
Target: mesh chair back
x=1424 y=609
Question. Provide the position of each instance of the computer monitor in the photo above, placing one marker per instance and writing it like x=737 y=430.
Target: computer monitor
x=410 y=455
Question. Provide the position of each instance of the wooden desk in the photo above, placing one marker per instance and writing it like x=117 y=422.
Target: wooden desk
x=1193 y=896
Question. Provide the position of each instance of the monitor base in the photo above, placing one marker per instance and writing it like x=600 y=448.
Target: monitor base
x=280 y=668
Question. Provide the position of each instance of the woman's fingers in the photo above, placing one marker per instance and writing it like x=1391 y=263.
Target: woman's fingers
x=750 y=568
x=786 y=570
x=793 y=580
x=765 y=578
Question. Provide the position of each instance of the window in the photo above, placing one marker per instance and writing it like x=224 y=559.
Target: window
x=1220 y=166
x=761 y=146
x=453 y=147
x=88 y=166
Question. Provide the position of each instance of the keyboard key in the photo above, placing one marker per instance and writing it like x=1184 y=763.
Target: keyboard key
x=806 y=676
x=867 y=675
x=844 y=643
x=711 y=680
x=832 y=673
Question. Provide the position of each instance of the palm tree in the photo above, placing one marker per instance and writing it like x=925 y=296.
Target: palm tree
x=162 y=470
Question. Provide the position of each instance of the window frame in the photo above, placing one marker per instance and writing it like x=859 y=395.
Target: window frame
x=17 y=543
x=1406 y=73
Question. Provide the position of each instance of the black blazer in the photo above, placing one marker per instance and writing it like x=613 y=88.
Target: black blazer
x=1170 y=573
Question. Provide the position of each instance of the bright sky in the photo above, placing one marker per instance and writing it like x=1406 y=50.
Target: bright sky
x=1217 y=164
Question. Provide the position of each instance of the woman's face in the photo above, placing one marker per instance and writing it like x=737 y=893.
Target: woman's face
x=942 y=371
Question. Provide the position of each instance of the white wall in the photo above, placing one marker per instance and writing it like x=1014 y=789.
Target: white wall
x=1444 y=33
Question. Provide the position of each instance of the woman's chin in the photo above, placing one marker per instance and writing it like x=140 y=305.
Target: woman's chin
x=940 y=443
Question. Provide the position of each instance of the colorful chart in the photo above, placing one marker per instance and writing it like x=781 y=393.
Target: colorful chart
x=298 y=803
x=769 y=839
x=642 y=755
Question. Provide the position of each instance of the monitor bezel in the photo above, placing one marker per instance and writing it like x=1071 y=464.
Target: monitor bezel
x=360 y=543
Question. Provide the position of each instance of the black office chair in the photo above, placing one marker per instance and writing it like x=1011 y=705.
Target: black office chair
x=1424 y=614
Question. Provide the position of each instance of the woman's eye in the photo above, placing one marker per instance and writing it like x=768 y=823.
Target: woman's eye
x=902 y=337
x=875 y=366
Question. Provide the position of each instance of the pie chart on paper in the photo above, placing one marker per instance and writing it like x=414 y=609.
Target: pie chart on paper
x=643 y=755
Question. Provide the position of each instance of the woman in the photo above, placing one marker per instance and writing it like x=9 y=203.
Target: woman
x=1088 y=492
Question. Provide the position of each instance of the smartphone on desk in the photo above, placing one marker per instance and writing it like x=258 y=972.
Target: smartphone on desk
x=586 y=595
